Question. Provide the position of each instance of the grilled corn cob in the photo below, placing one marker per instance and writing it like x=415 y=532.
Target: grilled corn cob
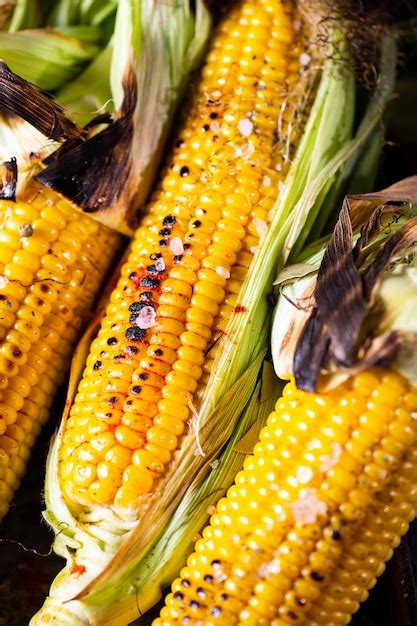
x=52 y=262
x=181 y=280
x=306 y=529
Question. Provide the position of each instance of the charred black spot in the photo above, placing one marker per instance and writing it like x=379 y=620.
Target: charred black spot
x=179 y=143
x=135 y=334
x=200 y=592
x=223 y=597
x=215 y=563
x=194 y=604
x=151 y=269
x=143 y=376
x=208 y=579
x=131 y=350
x=292 y=615
x=206 y=127
x=185 y=583
x=136 y=389
x=165 y=232
x=132 y=275
x=196 y=224
x=17 y=353
x=112 y=341
x=155 y=256
x=158 y=352
x=178 y=595
x=184 y=171
x=214 y=115
x=317 y=577
x=145 y=296
x=163 y=243
x=336 y=535
x=113 y=400
x=169 y=220
x=215 y=611
x=136 y=307
x=177 y=258
x=149 y=282
x=301 y=601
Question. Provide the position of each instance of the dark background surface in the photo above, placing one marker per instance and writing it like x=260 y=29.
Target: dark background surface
x=28 y=567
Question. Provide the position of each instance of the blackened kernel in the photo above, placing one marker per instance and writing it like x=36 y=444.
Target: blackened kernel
x=158 y=352
x=136 y=307
x=129 y=403
x=103 y=354
x=177 y=258
x=206 y=127
x=155 y=256
x=132 y=275
x=131 y=350
x=143 y=376
x=145 y=296
x=169 y=220
x=165 y=232
x=178 y=595
x=200 y=592
x=135 y=333
x=148 y=281
x=196 y=224
x=336 y=535
x=151 y=269
x=194 y=604
x=185 y=583
x=215 y=611
x=133 y=317
x=184 y=171
x=208 y=579
x=223 y=597
x=292 y=615
x=301 y=601
x=163 y=243
x=111 y=341
x=214 y=115
x=136 y=389
x=97 y=365
x=186 y=246
x=113 y=400
x=317 y=577
x=17 y=353
x=118 y=358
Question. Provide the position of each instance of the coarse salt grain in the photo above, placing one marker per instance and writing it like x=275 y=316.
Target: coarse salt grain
x=329 y=460
x=222 y=271
x=3 y=281
x=305 y=59
x=254 y=249
x=266 y=181
x=214 y=464
x=245 y=127
x=160 y=264
x=308 y=507
x=215 y=127
x=304 y=474
x=146 y=317
x=273 y=567
x=176 y=246
x=261 y=226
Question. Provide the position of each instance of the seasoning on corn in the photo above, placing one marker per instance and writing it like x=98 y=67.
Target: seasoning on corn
x=319 y=507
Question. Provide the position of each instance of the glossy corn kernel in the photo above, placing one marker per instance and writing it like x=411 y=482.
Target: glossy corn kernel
x=305 y=530
x=189 y=258
x=52 y=262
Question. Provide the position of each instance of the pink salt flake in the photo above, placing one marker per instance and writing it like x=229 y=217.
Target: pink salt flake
x=176 y=246
x=329 y=460
x=245 y=127
x=146 y=317
x=261 y=226
x=308 y=507
x=304 y=474
x=160 y=264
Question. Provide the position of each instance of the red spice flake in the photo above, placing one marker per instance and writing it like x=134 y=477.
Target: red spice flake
x=76 y=569
x=238 y=308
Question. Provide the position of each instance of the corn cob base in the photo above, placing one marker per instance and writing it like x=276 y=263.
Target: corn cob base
x=52 y=262
x=318 y=509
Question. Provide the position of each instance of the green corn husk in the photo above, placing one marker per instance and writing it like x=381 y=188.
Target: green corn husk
x=144 y=66
x=119 y=554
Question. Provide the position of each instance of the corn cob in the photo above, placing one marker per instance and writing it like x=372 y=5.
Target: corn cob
x=52 y=261
x=186 y=265
x=329 y=490
x=316 y=511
